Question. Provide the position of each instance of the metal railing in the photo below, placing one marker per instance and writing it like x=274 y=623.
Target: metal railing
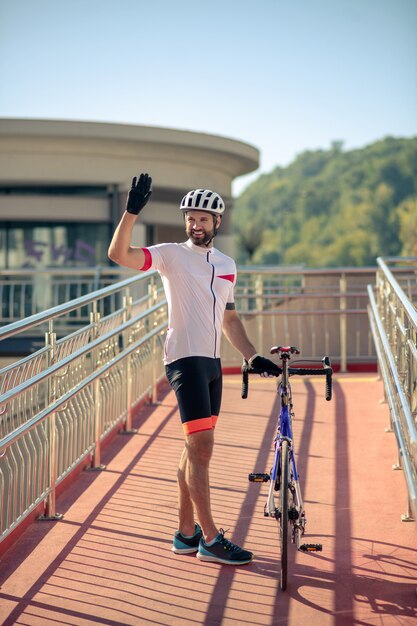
x=25 y=292
x=393 y=320
x=320 y=311
x=102 y=354
x=58 y=404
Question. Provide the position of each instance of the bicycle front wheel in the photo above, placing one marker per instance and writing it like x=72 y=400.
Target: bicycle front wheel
x=284 y=513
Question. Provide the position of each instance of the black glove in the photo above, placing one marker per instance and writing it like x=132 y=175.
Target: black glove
x=261 y=363
x=139 y=194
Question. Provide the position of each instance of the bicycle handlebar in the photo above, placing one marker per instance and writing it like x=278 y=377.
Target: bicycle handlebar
x=301 y=371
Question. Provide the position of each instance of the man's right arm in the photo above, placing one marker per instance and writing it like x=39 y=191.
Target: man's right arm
x=120 y=250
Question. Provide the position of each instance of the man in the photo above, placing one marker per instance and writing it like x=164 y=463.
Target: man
x=198 y=282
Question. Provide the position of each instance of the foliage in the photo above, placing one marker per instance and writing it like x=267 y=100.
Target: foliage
x=331 y=208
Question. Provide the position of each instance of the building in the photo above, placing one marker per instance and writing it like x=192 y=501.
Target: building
x=63 y=186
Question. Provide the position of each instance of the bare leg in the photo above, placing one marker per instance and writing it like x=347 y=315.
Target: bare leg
x=186 y=524
x=199 y=447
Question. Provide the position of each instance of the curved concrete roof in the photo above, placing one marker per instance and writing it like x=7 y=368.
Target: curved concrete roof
x=98 y=152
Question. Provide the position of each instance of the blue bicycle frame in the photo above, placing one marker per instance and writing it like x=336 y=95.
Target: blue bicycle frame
x=284 y=431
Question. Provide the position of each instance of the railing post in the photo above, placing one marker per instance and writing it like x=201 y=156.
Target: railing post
x=153 y=297
x=127 y=313
x=343 y=323
x=259 y=292
x=408 y=515
x=50 y=504
x=96 y=456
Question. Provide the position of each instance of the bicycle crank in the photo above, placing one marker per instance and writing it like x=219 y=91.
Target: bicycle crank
x=293 y=514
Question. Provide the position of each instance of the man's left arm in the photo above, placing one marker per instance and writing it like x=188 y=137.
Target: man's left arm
x=235 y=332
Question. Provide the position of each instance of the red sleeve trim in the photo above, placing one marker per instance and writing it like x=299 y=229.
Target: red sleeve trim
x=148 y=260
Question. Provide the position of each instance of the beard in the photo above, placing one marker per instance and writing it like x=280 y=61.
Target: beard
x=202 y=241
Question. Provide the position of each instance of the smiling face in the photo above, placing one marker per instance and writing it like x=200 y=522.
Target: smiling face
x=200 y=227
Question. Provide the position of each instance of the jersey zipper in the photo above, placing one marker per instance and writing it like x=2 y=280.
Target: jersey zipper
x=214 y=303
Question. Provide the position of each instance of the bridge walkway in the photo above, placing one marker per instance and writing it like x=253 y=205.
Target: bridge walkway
x=109 y=562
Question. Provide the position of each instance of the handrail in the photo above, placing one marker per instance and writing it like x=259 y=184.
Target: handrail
x=25 y=386
x=15 y=435
x=408 y=464
x=58 y=404
x=297 y=270
x=408 y=306
x=312 y=306
x=393 y=320
x=67 y=271
x=250 y=269
x=390 y=361
x=61 y=309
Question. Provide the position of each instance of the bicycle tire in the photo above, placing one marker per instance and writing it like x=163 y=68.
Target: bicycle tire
x=284 y=514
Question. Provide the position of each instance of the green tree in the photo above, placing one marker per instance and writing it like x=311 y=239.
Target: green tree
x=407 y=215
x=331 y=208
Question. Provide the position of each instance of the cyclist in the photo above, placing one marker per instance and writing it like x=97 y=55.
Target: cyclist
x=198 y=281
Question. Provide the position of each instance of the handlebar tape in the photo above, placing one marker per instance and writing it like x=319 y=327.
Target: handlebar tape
x=245 y=382
x=328 y=386
x=329 y=372
x=303 y=371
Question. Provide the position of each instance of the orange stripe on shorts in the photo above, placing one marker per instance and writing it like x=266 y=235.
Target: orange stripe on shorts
x=196 y=426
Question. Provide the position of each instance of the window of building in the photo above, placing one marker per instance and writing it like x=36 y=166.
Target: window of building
x=43 y=245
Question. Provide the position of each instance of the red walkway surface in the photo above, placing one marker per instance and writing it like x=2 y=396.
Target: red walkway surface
x=109 y=561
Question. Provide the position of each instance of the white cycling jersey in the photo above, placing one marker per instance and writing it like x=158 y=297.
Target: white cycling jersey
x=199 y=286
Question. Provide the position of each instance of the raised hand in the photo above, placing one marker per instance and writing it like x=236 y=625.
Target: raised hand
x=139 y=194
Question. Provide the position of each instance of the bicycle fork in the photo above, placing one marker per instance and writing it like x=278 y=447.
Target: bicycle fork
x=296 y=514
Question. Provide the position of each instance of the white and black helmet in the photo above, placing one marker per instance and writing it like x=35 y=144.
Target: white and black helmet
x=203 y=200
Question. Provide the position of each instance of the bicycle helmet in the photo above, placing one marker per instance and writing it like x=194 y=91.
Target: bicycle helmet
x=203 y=200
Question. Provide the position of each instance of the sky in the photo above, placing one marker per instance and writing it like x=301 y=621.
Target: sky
x=283 y=75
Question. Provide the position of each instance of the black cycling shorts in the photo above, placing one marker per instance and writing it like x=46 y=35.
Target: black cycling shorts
x=197 y=382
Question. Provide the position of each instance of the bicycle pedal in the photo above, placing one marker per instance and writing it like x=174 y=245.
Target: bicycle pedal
x=311 y=547
x=258 y=478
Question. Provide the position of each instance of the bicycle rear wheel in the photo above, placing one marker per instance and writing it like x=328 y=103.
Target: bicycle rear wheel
x=284 y=514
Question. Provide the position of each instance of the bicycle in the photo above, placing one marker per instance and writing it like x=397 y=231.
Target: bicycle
x=283 y=477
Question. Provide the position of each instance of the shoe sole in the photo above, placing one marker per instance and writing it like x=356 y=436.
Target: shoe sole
x=184 y=550
x=215 y=559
